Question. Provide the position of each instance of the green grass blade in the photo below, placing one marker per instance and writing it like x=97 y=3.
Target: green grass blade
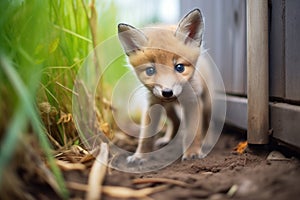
x=32 y=114
x=73 y=33
x=11 y=138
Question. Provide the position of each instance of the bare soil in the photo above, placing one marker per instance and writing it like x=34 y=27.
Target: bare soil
x=223 y=174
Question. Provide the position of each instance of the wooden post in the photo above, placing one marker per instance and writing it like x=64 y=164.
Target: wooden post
x=257 y=71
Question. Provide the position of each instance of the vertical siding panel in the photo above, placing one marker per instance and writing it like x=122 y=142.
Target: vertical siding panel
x=239 y=47
x=224 y=41
x=225 y=38
x=277 y=49
x=292 y=54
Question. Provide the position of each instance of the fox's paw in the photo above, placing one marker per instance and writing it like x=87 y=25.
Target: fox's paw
x=192 y=154
x=136 y=159
x=163 y=141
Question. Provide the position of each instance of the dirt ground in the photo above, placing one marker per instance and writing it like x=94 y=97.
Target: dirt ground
x=223 y=174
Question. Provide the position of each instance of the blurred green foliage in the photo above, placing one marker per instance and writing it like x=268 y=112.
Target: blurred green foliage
x=42 y=46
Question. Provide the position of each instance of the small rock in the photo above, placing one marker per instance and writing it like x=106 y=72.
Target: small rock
x=217 y=197
x=238 y=168
x=215 y=170
x=246 y=187
x=207 y=173
x=276 y=156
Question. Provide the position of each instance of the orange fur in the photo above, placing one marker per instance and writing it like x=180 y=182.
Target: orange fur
x=161 y=49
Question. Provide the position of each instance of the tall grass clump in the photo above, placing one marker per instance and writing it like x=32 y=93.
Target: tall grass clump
x=24 y=27
x=42 y=46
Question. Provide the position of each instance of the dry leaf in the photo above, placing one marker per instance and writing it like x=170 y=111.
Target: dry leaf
x=64 y=118
x=241 y=147
x=105 y=128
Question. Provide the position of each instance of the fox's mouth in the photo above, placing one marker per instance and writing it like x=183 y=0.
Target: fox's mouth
x=166 y=94
x=170 y=99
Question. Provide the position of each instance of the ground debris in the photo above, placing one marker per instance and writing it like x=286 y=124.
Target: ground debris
x=220 y=175
x=121 y=192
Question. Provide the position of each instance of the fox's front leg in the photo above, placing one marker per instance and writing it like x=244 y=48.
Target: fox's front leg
x=149 y=127
x=173 y=123
x=193 y=130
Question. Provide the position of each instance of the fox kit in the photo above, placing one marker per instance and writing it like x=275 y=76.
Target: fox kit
x=169 y=61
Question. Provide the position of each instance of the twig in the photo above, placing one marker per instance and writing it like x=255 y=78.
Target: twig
x=68 y=89
x=231 y=192
x=53 y=140
x=123 y=192
x=77 y=186
x=97 y=174
x=161 y=180
x=120 y=192
x=70 y=166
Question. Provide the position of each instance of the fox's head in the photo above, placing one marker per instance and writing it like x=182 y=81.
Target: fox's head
x=164 y=58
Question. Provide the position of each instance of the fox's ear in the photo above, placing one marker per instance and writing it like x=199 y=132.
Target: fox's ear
x=191 y=27
x=131 y=38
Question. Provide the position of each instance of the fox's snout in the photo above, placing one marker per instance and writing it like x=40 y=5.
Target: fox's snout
x=166 y=92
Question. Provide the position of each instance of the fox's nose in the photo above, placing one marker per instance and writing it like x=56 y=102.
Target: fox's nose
x=167 y=93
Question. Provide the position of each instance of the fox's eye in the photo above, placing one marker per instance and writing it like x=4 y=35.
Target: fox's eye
x=179 y=68
x=150 y=71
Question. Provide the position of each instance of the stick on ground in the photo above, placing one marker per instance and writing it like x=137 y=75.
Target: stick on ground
x=97 y=174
